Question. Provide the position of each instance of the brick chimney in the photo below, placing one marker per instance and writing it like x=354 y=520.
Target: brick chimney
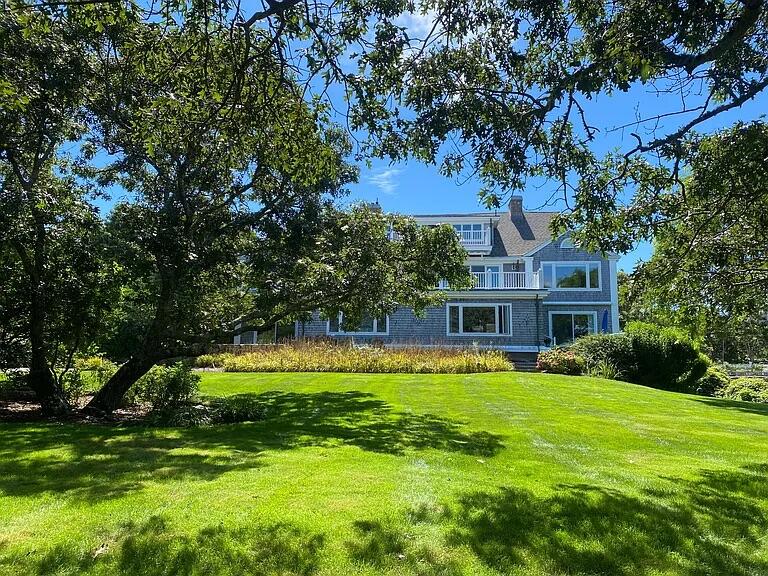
x=516 y=207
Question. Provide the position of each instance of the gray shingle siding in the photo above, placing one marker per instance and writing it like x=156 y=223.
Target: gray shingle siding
x=405 y=327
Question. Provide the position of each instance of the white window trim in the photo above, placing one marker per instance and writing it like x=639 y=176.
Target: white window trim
x=572 y=312
x=567 y=244
x=354 y=333
x=462 y=305
x=585 y=263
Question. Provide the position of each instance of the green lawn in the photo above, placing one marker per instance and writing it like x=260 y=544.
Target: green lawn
x=399 y=474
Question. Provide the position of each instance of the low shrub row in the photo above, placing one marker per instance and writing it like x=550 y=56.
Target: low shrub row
x=339 y=357
x=747 y=389
x=643 y=354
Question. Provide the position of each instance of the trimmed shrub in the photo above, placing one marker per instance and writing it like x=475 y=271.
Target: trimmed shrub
x=714 y=380
x=323 y=356
x=607 y=349
x=561 y=361
x=165 y=388
x=646 y=354
x=746 y=389
x=666 y=357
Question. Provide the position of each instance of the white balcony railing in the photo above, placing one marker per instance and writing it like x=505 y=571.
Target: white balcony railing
x=501 y=281
x=475 y=237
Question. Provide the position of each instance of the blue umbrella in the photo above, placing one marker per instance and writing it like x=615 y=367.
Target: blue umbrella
x=605 y=321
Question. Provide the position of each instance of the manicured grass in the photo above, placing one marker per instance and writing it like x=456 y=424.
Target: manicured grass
x=505 y=473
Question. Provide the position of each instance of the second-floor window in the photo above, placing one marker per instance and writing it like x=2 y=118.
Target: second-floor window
x=571 y=275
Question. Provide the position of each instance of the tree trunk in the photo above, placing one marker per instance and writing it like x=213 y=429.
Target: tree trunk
x=41 y=378
x=109 y=398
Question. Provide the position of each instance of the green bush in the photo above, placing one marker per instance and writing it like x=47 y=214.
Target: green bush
x=324 y=356
x=646 y=354
x=666 y=357
x=714 y=380
x=613 y=350
x=603 y=369
x=746 y=389
x=561 y=361
x=165 y=388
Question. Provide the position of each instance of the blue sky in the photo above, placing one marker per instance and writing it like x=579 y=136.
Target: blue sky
x=413 y=188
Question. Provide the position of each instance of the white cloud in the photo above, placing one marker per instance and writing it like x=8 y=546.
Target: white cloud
x=385 y=180
x=417 y=25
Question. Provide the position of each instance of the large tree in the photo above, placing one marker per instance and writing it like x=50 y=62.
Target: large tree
x=232 y=175
x=47 y=227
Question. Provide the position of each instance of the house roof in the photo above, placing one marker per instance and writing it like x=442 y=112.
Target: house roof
x=512 y=236
x=522 y=234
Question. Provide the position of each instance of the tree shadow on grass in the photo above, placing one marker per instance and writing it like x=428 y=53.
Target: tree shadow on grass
x=153 y=549
x=750 y=407
x=714 y=525
x=385 y=546
x=360 y=419
x=93 y=462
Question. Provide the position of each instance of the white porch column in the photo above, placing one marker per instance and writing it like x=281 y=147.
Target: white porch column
x=529 y=271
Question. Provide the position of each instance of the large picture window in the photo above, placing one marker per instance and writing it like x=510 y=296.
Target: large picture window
x=567 y=326
x=368 y=326
x=473 y=319
x=571 y=275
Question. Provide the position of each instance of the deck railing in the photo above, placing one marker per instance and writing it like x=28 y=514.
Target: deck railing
x=501 y=281
x=475 y=237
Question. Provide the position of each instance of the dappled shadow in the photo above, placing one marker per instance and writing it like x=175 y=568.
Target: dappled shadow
x=751 y=407
x=154 y=549
x=714 y=525
x=360 y=419
x=94 y=462
x=384 y=546
x=98 y=462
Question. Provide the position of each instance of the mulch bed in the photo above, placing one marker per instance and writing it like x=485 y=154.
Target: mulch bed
x=22 y=409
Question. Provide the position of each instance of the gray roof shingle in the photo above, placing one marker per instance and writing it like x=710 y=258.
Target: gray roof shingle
x=513 y=236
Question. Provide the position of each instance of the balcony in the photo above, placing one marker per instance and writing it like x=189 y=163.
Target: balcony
x=502 y=281
x=475 y=238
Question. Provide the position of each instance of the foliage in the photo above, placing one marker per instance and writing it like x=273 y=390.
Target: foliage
x=646 y=354
x=714 y=380
x=746 y=389
x=561 y=361
x=614 y=349
x=165 y=388
x=236 y=408
x=603 y=369
x=665 y=357
x=321 y=356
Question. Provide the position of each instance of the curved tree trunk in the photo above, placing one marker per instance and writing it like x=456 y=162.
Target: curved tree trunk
x=109 y=398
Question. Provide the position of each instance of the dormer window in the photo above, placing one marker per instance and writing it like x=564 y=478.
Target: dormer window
x=472 y=234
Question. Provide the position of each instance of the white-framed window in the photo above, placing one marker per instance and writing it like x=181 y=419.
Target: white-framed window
x=476 y=319
x=567 y=243
x=369 y=326
x=566 y=326
x=474 y=233
x=571 y=275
